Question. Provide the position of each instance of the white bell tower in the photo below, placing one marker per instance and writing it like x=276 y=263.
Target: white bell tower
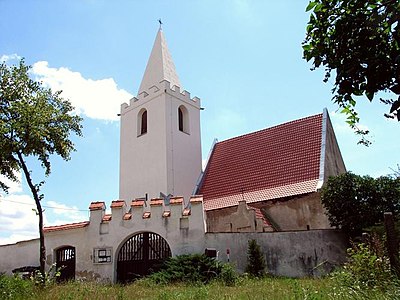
x=160 y=147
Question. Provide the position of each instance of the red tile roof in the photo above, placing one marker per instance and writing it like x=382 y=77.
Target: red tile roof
x=137 y=203
x=260 y=215
x=66 y=226
x=273 y=163
x=156 y=202
x=196 y=199
x=97 y=205
x=107 y=218
x=127 y=216
x=175 y=200
x=117 y=203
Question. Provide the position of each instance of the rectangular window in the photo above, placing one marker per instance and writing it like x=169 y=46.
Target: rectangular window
x=102 y=255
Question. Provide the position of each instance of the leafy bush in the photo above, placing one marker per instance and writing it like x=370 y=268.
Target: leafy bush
x=256 y=262
x=368 y=267
x=228 y=275
x=49 y=277
x=14 y=287
x=188 y=268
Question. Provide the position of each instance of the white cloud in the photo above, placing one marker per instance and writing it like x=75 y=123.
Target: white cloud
x=97 y=99
x=65 y=214
x=8 y=57
x=13 y=186
x=18 y=220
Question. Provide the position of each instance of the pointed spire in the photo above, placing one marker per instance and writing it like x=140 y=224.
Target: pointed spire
x=160 y=65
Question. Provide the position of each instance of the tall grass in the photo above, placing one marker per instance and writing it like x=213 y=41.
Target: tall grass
x=245 y=288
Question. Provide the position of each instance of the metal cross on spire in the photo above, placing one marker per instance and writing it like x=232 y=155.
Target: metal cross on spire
x=159 y=21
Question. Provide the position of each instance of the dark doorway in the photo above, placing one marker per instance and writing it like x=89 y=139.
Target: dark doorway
x=65 y=262
x=141 y=255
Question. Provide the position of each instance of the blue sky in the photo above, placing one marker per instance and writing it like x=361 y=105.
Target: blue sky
x=242 y=58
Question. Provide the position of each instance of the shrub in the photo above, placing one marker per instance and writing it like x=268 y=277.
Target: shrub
x=188 y=268
x=255 y=260
x=228 y=275
x=14 y=287
x=368 y=267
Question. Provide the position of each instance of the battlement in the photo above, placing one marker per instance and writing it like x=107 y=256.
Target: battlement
x=140 y=209
x=163 y=87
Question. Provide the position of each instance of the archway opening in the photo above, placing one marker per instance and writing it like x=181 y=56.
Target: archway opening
x=65 y=262
x=141 y=255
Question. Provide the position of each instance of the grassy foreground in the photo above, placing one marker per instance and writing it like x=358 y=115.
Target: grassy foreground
x=266 y=288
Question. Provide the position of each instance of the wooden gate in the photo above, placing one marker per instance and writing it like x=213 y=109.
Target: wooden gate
x=141 y=255
x=65 y=261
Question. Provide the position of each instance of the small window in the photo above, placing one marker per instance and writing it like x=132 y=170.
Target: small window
x=180 y=117
x=183 y=119
x=102 y=255
x=142 y=122
x=143 y=128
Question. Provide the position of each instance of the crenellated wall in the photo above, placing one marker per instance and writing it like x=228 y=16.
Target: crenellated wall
x=182 y=226
x=156 y=90
x=295 y=254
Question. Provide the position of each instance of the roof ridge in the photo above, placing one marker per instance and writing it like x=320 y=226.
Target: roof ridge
x=272 y=127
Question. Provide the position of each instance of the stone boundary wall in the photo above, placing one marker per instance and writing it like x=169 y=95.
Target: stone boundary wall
x=292 y=254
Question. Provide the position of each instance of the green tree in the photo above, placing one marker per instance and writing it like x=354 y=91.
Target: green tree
x=34 y=122
x=360 y=40
x=255 y=259
x=356 y=202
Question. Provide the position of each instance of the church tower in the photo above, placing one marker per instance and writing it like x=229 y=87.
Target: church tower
x=160 y=147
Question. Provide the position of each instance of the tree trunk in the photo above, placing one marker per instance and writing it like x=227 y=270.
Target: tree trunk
x=34 y=190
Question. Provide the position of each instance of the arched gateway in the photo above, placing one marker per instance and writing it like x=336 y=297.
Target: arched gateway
x=141 y=255
x=65 y=261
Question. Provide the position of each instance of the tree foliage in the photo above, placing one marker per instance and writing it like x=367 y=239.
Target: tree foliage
x=34 y=122
x=360 y=40
x=356 y=202
x=255 y=259
x=188 y=268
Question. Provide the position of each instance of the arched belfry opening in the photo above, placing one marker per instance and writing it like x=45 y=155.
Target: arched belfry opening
x=141 y=255
x=183 y=119
x=65 y=262
x=142 y=122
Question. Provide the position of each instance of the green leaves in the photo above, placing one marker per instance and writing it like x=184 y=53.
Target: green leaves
x=33 y=121
x=360 y=41
x=356 y=202
x=311 y=5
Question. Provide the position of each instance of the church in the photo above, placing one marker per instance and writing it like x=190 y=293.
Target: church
x=263 y=185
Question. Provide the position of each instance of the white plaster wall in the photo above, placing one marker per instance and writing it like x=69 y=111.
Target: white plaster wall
x=184 y=149
x=18 y=255
x=164 y=159
x=143 y=166
x=292 y=254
